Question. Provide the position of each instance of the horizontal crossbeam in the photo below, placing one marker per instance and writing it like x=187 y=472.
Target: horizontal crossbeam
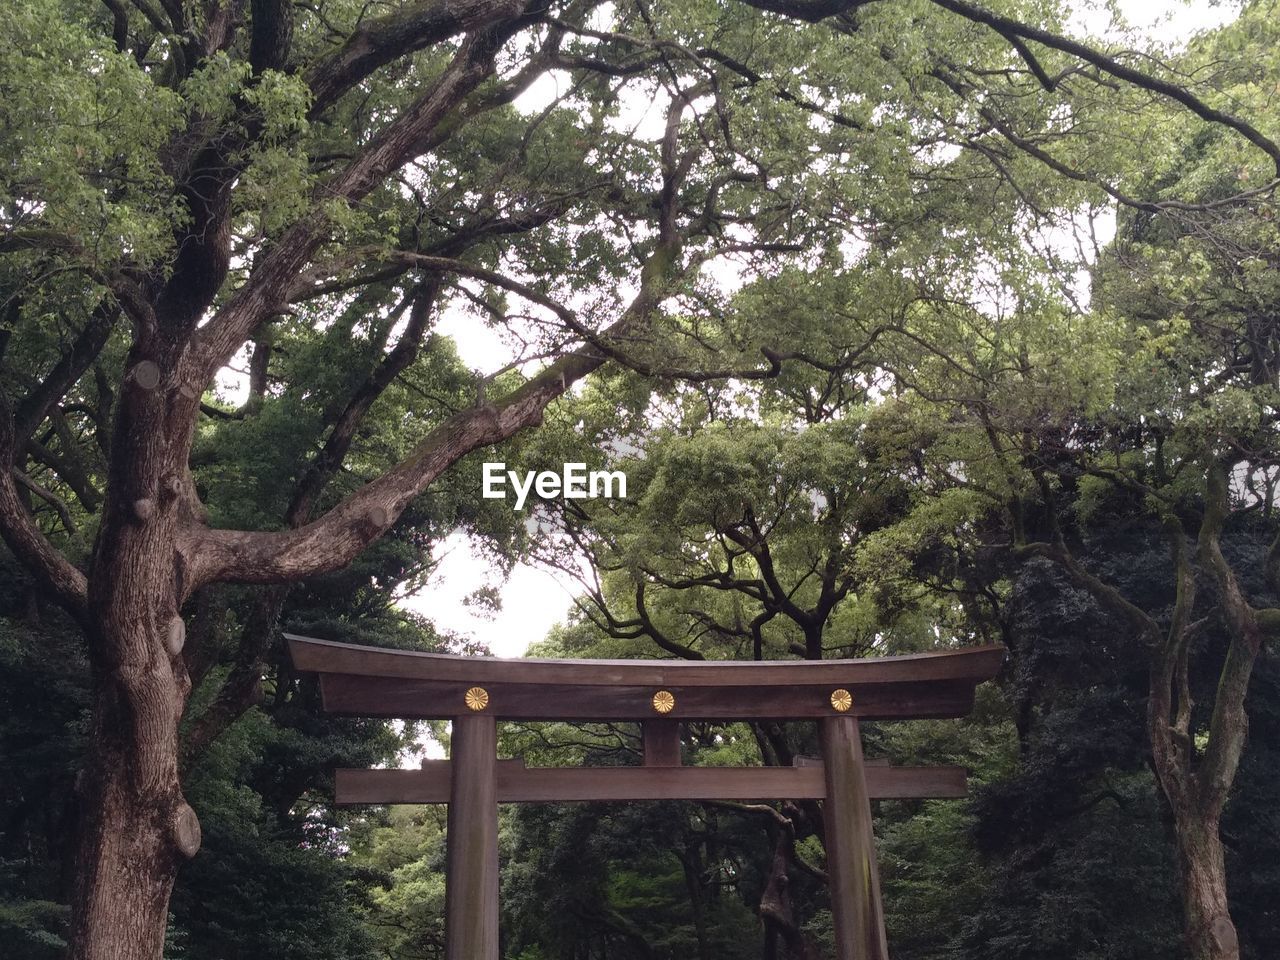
x=519 y=784
x=374 y=682
x=410 y=699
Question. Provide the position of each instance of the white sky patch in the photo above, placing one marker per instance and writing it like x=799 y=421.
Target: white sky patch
x=533 y=599
x=1171 y=21
x=232 y=382
x=542 y=92
x=480 y=347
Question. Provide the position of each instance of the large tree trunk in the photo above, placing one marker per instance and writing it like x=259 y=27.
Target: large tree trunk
x=1210 y=932
x=125 y=865
x=135 y=825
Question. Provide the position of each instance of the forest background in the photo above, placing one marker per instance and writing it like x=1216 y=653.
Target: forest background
x=913 y=324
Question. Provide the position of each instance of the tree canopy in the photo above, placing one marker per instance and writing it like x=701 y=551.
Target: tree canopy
x=913 y=323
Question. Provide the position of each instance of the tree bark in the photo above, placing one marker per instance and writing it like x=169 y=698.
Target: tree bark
x=127 y=857
x=776 y=909
x=136 y=826
x=153 y=549
x=1210 y=932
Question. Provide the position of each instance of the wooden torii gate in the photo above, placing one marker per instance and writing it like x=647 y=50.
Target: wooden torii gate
x=476 y=692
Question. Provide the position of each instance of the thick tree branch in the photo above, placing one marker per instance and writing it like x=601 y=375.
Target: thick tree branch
x=119 y=24
x=1009 y=29
x=56 y=502
x=326 y=463
x=272 y=36
x=1110 y=598
x=1169 y=691
x=336 y=538
x=70 y=471
x=156 y=17
x=756 y=543
x=75 y=360
x=243 y=687
x=376 y=43
x=265 y=294
x=1229 y=723
x=24 y=538
x=651 y=630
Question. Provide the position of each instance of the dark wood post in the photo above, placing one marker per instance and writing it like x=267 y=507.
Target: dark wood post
x=471 y=874
x=661 y=743
x=856 y=909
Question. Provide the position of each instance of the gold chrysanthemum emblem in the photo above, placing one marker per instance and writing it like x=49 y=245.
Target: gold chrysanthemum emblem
x=664 y=701
x=477 y=698
x=841 y=700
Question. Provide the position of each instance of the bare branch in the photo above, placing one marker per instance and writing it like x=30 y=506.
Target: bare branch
x=56 y=502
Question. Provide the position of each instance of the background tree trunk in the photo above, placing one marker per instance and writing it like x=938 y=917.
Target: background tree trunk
x=1211 y=934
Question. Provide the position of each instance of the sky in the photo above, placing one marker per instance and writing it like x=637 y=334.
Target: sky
x=534 y=599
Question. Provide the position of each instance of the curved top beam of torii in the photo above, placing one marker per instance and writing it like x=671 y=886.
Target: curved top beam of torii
x=373 y=681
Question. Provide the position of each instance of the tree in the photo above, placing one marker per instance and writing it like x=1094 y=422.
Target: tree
x=1198 y=434
x=194 y=185
x=1159 y=403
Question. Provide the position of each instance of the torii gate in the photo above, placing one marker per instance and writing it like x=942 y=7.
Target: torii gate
x=476 y=692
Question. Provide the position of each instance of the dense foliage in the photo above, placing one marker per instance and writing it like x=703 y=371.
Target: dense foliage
x=832 y=283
